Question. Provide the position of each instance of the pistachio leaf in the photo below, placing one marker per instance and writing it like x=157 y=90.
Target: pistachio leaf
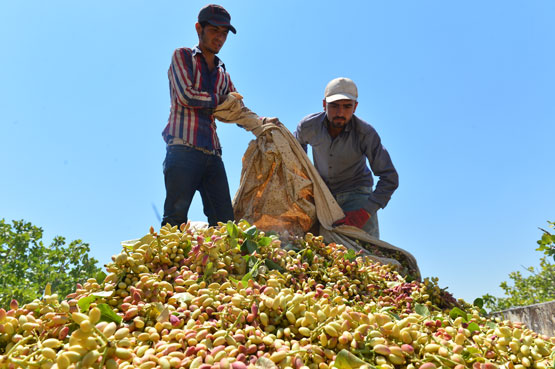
x=265 y=363
x=164 y=315
x=421 y=310
x=85 y=302
x=473 y=327
x=456 y=312
x=479 y=302
x=264 y=241
x=108 y=315
x=232 y=229
x=249 y=246
x=350 y=255
x=100 y=277
x=272 y=265
x=184 y=298
x=251 y=232
x=347 y=360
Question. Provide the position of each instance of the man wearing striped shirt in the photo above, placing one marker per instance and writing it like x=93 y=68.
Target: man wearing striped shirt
x=199 y=83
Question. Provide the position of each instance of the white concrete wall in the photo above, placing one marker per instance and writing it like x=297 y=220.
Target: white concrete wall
x=539 y=317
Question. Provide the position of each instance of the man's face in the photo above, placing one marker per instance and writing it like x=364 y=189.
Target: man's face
x=340 y=112
x=212 y=38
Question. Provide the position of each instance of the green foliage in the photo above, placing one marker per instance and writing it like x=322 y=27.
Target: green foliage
x=547 y=242
x=538 y=287
x=27 y=265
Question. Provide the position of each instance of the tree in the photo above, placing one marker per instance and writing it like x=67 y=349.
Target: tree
x=533 y=289
x=547 y=242
x=27 y=265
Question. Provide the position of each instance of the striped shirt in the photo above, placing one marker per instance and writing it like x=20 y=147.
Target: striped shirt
x=194 y=93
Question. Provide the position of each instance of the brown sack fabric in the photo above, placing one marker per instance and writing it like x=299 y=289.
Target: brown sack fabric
x=275 y=191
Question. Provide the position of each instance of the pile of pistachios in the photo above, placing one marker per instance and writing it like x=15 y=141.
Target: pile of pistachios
x=234 y=297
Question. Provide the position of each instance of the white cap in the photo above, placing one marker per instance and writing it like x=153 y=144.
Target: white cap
x=341 y=89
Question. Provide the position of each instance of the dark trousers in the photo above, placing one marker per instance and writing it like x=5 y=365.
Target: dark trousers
x=186 y=171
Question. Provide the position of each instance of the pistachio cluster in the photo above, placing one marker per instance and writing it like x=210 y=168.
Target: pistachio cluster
x=231 y=297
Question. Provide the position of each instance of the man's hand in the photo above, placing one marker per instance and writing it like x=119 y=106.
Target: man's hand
x=272 y=120
x=235 y=95
x=357 y=218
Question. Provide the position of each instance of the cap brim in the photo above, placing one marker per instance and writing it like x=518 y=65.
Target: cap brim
x=224 y=24
x=337 y=97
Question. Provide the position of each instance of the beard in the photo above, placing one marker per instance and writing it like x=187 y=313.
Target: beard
x=338 y=122
x=212 y=50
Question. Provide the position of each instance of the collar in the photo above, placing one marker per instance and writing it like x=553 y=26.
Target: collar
x=196 y=50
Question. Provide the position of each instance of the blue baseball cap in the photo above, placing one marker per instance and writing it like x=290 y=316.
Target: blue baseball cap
x=216 y=16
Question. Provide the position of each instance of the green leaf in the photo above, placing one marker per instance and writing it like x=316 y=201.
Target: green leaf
x=472 y=350
x=188 y=247
x=129 y=244
x=473 y=327
x=208 y=271
x=479 y=302
x=264 y=241
x=308 y=255
x=85 y=302
x=233 y=243
x=100 y=277
x=184 y=298
x=235 y=281
x=421 y=310
x=272 y=265
x=397 y=317
x=108 y=315
x=246 y=278
x=232 y=229
x=102 y=294
x=251 y=261
x=347 y=360
x=250 y=246
x=251 y=232
x=456 y=312
x=491 y=325
x=350 y=255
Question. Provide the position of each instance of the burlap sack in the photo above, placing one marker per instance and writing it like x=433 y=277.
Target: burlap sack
x=280 y=190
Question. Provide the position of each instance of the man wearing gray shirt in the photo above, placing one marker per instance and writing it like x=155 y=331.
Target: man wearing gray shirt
x=341 y=142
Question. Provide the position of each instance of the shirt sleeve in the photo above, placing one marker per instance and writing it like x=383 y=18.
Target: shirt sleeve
x=382 y=167
x=181 y=75
x=231 y=87
x=299 y=136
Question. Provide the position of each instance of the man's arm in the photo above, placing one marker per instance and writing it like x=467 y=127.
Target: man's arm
x=181 y=81
x=382 y=167
x=299 y=136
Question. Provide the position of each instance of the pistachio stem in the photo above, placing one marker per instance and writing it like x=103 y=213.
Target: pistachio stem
x=17 y=344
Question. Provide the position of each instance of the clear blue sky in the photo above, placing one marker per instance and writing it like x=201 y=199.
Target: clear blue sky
x=462 y=94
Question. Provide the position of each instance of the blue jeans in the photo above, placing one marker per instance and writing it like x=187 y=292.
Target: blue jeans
x=186 y=171
x=356 y=199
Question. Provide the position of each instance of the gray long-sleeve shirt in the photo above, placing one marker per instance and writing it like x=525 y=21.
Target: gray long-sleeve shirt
x=341 y=162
